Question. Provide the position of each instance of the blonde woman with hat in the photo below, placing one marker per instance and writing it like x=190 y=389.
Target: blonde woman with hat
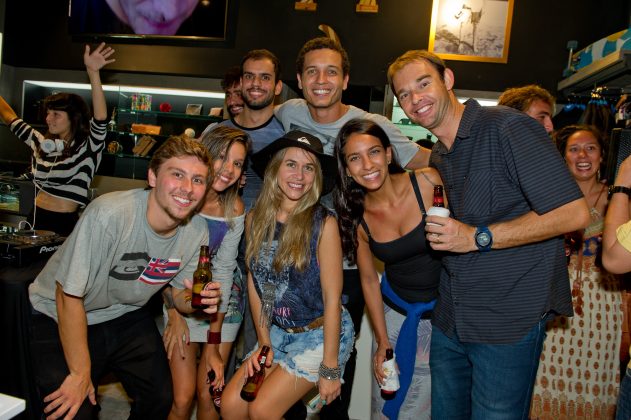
x=294 y=256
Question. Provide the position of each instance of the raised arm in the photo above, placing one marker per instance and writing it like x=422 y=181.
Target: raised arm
x=330 y=260
x=94 y=61
x=73 y=333
x=7 y=114
x=617 y=258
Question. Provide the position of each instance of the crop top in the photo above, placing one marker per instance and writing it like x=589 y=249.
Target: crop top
x=69 y=177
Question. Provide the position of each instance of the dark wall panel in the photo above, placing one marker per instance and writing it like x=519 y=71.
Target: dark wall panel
x=540 y=31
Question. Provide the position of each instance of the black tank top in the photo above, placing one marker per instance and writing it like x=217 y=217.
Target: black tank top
x=412 y=267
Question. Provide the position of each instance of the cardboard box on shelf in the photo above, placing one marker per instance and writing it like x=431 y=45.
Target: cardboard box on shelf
x=145 y=129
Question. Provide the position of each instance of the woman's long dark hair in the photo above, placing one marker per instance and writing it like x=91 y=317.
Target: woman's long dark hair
x=348 y=196
x=79 y=116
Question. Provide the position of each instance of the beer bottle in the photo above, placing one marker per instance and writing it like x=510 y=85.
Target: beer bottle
x=252 y=385
x=439 y=199
x=201 y=276
x=215 y=393
x=391 y=382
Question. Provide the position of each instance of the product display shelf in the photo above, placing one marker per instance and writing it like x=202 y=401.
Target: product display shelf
x=136 y=113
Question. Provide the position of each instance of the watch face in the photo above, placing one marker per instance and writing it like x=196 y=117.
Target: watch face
x=483 y=238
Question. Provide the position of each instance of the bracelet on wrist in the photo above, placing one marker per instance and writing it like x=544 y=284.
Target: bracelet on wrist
x=331 y=374
x=213 y=337
x=619 y=189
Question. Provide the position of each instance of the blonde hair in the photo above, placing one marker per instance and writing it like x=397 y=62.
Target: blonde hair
x=293 y=249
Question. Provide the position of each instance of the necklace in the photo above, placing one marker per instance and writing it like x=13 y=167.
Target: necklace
x=593 y=212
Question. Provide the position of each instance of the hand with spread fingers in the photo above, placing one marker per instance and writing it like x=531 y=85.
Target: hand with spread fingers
x=99 y=58
x=67 y=399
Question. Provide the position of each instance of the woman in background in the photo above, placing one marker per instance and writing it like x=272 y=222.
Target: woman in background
x=294 y=283
x=213 y=336
x=579 y=371
x=66 y=157
x=381 y=211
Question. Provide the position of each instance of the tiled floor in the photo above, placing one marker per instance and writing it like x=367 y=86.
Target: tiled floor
x=115 y=404
x=113 y=401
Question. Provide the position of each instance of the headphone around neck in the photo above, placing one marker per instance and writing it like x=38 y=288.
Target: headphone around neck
x=52 y=147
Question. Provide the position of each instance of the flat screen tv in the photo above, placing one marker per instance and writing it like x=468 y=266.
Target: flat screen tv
x=151 y=21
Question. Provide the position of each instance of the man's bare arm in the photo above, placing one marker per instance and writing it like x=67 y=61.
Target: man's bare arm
x=73 y=333
x=458 y=237
x=420 y=159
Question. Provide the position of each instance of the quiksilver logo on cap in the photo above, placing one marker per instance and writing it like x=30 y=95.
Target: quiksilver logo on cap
x=304 y=140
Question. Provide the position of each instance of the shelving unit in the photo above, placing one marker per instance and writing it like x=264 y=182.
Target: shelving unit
x=612 y=71
x=123 y=162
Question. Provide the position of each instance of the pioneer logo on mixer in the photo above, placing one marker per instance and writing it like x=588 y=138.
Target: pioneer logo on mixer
x=48 y=248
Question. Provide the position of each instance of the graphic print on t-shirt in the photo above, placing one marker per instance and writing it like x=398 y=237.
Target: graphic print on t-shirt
x=140 y=266
x=160 y=270
x=287 y=304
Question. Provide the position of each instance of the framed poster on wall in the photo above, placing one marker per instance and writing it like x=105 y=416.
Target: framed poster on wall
x=471 y=30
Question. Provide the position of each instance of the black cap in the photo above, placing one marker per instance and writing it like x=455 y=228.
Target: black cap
x=305 y=141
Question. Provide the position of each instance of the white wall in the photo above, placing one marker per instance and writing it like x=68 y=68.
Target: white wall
x=360 y=398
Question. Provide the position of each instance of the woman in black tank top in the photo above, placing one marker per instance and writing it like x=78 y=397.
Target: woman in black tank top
x=381 y=213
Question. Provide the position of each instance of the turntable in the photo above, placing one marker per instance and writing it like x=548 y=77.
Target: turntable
x=22 y=247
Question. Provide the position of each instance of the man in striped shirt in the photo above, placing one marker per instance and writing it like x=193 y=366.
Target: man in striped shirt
x=511 y=198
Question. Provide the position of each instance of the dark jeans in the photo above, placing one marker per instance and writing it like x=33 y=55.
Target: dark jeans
x=623 y=411
x=353 y=300
x=130 y=346
x=477 y=381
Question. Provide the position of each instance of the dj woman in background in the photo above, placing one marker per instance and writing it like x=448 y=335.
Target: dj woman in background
x=66 y=157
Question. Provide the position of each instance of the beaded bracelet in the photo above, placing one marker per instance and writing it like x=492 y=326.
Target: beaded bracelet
x=329 y=373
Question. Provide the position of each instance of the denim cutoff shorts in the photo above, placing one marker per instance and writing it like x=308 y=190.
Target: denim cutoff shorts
x=301 y=353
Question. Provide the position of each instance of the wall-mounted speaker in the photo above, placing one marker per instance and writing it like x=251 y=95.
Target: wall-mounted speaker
x=619 y=149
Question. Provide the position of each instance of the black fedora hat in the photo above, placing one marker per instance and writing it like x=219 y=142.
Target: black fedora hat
x=306 y=141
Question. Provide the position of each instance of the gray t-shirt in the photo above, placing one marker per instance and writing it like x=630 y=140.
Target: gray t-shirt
x=115 y=261
x=294 y=115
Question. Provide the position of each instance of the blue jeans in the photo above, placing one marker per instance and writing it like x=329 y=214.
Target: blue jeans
x=484 y=381
x=623 y=411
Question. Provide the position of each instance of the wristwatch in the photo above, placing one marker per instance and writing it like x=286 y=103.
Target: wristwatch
x=619 y=189
x=483 y=238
